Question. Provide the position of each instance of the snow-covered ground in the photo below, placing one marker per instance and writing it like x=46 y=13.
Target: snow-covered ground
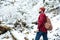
x=27 y=11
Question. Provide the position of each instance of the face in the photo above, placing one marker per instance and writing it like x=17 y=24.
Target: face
x=39 y=11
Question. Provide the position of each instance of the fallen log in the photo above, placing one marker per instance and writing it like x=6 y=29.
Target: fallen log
x=4 y=29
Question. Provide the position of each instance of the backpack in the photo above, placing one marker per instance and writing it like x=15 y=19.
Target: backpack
x=48 y=24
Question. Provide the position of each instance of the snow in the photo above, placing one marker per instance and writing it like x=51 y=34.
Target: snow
x=18 y=36
x=25 y=10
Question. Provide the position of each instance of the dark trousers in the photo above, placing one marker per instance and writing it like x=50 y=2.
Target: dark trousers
x=38 y=35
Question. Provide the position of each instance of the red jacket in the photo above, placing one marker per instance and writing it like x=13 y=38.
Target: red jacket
x=41 y=21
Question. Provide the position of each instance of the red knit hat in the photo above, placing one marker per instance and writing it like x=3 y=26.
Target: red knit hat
x=42 y=9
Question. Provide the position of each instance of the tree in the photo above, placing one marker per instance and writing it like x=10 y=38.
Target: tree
x=43 y=1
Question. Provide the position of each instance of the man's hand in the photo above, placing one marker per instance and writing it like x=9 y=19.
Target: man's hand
x=36 y=31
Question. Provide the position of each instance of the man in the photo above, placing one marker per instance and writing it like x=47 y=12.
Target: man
x=41 y=28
